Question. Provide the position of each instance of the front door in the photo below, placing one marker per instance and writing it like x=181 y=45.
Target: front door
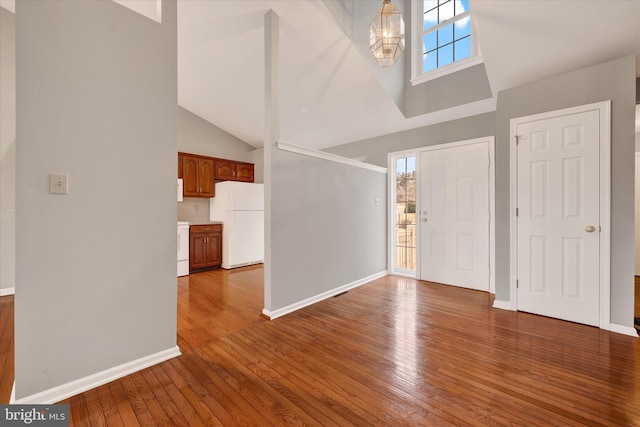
x=558 y=217
x=454 y=216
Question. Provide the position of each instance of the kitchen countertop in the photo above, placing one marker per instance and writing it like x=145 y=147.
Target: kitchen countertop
x=203 y=222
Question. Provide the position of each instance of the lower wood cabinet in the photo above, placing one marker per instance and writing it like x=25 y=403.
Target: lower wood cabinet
x=205 y=246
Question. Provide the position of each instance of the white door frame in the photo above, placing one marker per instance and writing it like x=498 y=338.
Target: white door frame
x=604 y=109
x=490 y=140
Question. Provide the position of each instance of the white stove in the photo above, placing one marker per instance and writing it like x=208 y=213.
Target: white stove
x=183 y=248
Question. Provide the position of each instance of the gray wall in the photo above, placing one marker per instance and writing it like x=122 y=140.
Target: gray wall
x=375 y=150
x=613 y=81
x=97 y=98
x=326 y=229
x=198 y=136
x=460 y=88
x=257 y=158
x=7 y=150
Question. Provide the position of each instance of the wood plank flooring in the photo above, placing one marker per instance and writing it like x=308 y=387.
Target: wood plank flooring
x=392 y=352
x=6 y=348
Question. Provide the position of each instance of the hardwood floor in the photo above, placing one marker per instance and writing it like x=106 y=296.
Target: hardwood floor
x=392 y=352
x=6 y=348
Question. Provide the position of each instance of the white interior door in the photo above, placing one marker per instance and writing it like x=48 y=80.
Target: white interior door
x=558 y=220
x=454 y=216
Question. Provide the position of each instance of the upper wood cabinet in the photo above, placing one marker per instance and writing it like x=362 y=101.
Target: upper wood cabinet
x=197 y=176
x=230 y=170
x=225 y=170
x=200 y=172
x=244 y=172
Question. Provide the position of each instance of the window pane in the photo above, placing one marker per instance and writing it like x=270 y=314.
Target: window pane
x=411 y=166
x=411 y=236
x=429 y=4
x=410 y=216
x=429 y=42
x=401 y=166
x=462 y=28
x=430 y=61
x=445 y=35
x=461 y=6
x=401 y=235
x=401 y=257
x=430 y=19
x=445 y=55
x=446 y=11
x=462 y=48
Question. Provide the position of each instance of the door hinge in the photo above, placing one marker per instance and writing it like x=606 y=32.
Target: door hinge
x=517 y=137
x=600 y=229
x=517 y=212
x=517 y=283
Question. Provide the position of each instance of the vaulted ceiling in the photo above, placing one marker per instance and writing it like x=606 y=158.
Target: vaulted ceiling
x=329 y=92
x=331 y=96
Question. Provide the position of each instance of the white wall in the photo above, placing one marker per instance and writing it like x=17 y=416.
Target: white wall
x=7 y=152
x=96 y=268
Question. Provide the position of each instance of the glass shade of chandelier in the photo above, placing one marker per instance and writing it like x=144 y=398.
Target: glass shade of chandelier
x=386 y=35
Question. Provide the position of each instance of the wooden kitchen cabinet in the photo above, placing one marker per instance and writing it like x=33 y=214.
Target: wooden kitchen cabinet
x=244 y=172
x=197 y=175
x=225 y=170
x=231 y=170
x=205 y=246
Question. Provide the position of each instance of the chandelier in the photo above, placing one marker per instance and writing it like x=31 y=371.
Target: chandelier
x=386 y=35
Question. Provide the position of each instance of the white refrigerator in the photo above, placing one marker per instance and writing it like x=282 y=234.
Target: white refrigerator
x=240 y=207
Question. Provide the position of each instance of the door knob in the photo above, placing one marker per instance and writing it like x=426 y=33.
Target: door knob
x=590 y=229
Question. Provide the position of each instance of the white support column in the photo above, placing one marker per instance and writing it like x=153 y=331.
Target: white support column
x=271 y=132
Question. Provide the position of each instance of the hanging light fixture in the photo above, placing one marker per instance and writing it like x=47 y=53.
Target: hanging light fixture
x=386 y=35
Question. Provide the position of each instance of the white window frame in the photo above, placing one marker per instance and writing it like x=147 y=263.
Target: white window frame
x=417 y=76
x=391 y=190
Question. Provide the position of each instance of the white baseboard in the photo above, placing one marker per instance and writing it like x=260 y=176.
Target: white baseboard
x=626 y=330
x=81 y=385
x=7 y=291
x=312 y=300
x=502 y=305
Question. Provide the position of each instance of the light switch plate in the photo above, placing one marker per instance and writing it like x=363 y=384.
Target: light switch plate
x=59 y=183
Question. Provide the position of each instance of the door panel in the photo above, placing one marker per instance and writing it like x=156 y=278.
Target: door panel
x=454 y=216
x=558 y=198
